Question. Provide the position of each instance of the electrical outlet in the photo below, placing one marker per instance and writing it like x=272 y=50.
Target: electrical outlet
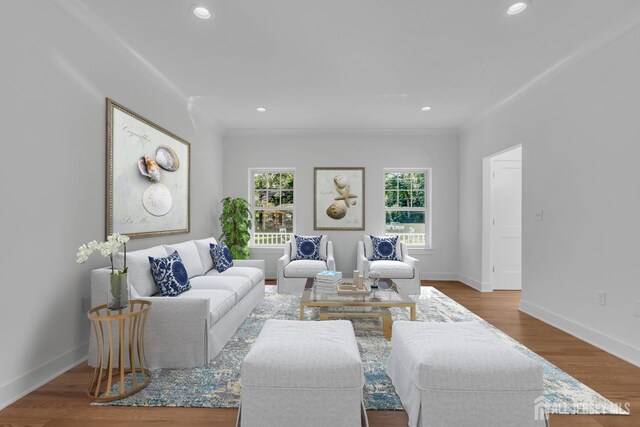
x=636 y=305
x=537 y=215
x=601 y=297
x=86 y=304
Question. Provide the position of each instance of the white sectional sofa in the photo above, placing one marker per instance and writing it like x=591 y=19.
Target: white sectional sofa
x=189 y=329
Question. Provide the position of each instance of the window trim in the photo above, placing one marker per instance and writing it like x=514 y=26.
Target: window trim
x=251 y=180
x=428 y=209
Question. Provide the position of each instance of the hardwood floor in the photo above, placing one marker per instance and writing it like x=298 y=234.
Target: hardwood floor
x=63 y=401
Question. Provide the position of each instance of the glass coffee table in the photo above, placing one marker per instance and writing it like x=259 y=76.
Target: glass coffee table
x=332 y=304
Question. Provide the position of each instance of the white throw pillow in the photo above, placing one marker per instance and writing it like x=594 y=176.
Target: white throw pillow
x=189 y=256
x=324 y=241
x=140 y=275
x=204 y=250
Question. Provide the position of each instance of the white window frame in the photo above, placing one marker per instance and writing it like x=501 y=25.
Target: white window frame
x=427 y=209
x=252 y=173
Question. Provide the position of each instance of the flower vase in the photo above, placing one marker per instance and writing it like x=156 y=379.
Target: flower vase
x=118 y=292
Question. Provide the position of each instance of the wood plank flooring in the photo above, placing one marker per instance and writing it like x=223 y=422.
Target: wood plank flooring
x=63 y=401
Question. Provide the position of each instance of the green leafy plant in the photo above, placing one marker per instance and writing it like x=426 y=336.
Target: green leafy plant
x=235 y=222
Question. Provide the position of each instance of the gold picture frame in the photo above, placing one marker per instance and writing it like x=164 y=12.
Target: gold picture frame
x=147 y=175
x=339 y=198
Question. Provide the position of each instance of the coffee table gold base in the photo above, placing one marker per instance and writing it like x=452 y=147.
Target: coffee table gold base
x=383 y=313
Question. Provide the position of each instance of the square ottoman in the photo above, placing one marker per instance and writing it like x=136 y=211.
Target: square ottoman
x=301 y=373
x=462 y=374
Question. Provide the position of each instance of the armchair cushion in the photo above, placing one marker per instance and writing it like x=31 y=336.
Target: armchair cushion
x=220 y=301
x=384 y=248
x=189 y=255
x=170 y=275
x=392 y=269
x=304 y=268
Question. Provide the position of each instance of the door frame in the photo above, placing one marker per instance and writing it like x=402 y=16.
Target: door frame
x=487 y=229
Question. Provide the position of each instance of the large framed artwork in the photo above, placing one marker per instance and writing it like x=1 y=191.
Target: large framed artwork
x=147 y=176
x=339 y=199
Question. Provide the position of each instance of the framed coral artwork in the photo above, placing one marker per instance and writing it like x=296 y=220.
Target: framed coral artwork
x=339 y=199
x=147 y=176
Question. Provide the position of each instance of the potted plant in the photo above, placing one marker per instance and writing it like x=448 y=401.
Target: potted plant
x=235 y=222
x=119 y=289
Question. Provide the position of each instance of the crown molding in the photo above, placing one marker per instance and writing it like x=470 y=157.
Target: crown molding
x=342 y=132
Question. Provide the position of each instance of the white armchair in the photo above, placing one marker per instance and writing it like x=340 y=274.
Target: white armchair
x=405 y=273
x=293 y=274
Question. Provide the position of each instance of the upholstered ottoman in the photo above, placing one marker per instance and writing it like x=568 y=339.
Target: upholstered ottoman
x=461 y=374
x=302 y=374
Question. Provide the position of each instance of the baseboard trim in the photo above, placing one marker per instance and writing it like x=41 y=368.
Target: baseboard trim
x=472 y=283
x=25 y=384
x=613 y=346
x=429 y=275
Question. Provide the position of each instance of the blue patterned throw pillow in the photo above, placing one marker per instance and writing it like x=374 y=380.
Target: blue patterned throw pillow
x=308 y=247
x=170 y=275
x=384 y=248
x=221 y=256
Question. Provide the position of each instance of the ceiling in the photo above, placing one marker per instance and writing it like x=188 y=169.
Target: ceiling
x=355 y=63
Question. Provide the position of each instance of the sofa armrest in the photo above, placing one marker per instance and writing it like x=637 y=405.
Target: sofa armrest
x=331 y=262
x=362 y=263
x=176 y=332
x=255 y=263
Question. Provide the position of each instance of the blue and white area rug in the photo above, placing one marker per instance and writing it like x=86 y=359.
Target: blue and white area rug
x=217 y=385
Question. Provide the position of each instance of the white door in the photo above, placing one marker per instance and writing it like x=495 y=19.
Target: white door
x=506 y=211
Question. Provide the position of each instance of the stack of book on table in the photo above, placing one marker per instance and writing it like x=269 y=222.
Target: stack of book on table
x=327 y=280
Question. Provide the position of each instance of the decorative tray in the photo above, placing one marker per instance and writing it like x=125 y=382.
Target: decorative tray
x=348 y=288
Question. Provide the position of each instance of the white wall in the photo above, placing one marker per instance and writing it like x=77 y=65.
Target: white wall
x=373 y=150
x=55 y=76
x=580 y=136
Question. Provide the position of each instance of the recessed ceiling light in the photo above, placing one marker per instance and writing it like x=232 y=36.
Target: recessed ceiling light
x=261 y=109
x=201 y=12
x=427 y=108
x=518 y=7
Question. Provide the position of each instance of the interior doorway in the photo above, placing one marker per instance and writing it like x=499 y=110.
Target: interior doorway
x=503 y=216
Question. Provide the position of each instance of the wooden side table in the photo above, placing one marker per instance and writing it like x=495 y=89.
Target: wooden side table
x=120 y=340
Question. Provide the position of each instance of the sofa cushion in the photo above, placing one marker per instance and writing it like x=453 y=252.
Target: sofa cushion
x=204 y=251
x=189 y=256
x=256 y=275
x=240 y=285
x=304 y=268
x=170 y=275
x=392 y=269
x=221 y=256
x=140 y=276
x=220 y=301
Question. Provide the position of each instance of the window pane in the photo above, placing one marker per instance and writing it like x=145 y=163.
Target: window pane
x=287 y=198
x=404 y=199
x=260 y=181
x=417 y=199
x=274 y=221
x=287 y=180
x=405 y=222
x=391 y=199
x=417 y=181
x=260 y=198
x=390 y=181
x=404 y=181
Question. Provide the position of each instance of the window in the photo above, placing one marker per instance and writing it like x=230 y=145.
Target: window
x=272 y=205
x=407 y=206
